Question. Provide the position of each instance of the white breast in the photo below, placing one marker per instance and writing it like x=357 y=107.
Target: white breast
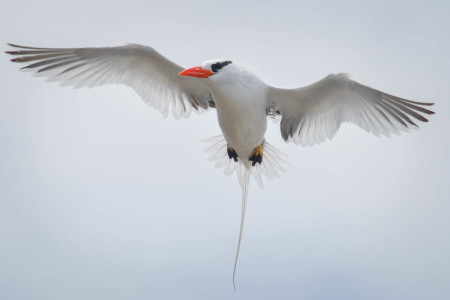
x=240 y=99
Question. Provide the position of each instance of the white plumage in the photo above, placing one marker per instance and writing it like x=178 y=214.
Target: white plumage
x=310 y=114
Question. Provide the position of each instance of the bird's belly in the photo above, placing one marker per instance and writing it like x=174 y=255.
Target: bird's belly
x=244 y=128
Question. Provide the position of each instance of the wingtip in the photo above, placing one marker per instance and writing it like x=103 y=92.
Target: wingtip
x=430 y=111
x=11 y=45
x=13 y=52
x=14 y=45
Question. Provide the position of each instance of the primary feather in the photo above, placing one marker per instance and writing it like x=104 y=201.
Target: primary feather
x=313 y=114
x=151 y=75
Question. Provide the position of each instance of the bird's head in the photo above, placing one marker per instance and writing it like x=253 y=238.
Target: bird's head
x=207 y=69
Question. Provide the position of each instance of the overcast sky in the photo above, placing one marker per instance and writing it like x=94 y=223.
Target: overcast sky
x=102 y=198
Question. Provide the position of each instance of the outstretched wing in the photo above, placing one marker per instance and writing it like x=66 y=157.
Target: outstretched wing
x=151 y=75
x=313 y=114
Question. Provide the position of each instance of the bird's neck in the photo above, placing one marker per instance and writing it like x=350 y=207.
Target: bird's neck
x=238 y=87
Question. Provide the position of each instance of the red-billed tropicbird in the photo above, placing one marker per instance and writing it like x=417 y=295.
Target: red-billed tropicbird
x=309 y=115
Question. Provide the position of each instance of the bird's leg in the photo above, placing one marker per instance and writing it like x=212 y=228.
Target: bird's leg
x=256 y=156
x=232 y=154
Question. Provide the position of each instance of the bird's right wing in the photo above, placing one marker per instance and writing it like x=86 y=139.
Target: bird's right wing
x=151 y=75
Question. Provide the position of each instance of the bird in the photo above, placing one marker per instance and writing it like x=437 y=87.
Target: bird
x=243 y=102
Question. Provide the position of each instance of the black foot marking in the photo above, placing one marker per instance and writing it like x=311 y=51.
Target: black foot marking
x=256 y=156
x=232 y=154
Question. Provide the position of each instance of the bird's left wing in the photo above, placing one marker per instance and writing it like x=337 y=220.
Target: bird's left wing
x=313 y=114
x=151 y=75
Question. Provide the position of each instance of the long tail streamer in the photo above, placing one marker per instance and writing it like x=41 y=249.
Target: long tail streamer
x=271 y=167
x=244 y=180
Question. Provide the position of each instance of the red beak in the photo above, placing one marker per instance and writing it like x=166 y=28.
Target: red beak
x=196 y=72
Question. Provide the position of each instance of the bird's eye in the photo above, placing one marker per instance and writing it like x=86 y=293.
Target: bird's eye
x=219 y=65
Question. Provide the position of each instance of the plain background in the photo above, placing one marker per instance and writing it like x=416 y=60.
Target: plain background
x=102 y=198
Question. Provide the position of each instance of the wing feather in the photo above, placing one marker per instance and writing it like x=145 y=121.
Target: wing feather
x=150 y=74
x=314 y=113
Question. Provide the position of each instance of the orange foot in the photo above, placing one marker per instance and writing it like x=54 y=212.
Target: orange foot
x=232 y=154
x=256 y=156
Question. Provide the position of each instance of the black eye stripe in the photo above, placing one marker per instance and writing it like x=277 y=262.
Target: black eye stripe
x=219 y=65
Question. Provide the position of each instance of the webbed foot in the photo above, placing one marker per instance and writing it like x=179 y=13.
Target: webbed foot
x=232 y=154
x=256 y=156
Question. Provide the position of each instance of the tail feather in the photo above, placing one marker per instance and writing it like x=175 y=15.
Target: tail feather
x=271 y=167
x=244 y=180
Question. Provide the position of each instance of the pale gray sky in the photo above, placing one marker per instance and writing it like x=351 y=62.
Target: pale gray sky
x=102 y=198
